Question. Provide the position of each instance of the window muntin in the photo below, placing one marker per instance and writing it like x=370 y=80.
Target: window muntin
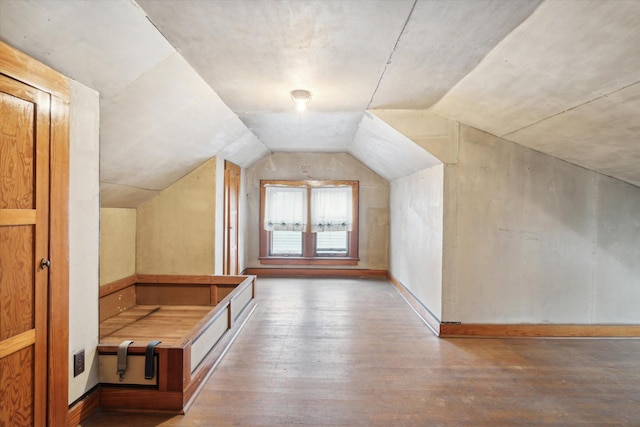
x=309 y=222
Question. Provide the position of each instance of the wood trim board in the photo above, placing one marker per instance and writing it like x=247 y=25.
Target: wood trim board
x=84 y=407
x=538 y=331
x=22 y=67
x=59 y=255
x=117 y=285
x=316 y=272
x=189 y=280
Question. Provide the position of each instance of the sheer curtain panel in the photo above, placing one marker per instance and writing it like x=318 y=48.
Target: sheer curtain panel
x=285 y=208
x=331 y=209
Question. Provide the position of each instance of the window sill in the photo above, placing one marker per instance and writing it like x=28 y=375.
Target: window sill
x=309 y=261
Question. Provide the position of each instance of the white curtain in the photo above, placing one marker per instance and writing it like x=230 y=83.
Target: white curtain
x=285 y=208
x=331 y=209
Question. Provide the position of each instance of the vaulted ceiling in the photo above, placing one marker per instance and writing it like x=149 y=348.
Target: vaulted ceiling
x=181 y=81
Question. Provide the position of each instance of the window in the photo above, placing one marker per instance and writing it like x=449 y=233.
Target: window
x=309 y=222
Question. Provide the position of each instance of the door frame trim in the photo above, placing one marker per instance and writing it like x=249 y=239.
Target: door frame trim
x=25 y=69
x=228 y=167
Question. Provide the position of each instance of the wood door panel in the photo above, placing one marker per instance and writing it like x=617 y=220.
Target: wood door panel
x=16 y=388
x=24 y=240
x=16 y=153
x=34 y=150
x=231 y=217
x=16 y=280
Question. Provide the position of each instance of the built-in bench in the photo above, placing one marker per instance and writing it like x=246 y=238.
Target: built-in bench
x=195 y=318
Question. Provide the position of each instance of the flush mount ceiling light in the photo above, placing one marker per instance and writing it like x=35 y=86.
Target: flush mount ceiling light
x=301 y=98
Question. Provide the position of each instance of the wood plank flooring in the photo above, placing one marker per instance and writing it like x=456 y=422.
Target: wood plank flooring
x=352 y=353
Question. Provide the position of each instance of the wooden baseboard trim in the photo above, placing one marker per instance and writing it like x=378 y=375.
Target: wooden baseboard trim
x=117 y=285
x=423 y=312
x=538 y=331
x=84 y=407
x=462 y=330
x=316 y=272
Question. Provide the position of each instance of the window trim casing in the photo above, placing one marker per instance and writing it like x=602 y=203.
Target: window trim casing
x=309 y=257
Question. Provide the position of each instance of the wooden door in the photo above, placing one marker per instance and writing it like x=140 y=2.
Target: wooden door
x=231 y=217
x=24 y=242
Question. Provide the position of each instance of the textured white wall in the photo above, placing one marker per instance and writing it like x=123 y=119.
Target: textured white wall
x=84 y=235
x=374 y=199
x=616 y=252
x=527 y=238
x=536 y=239
x=416 y=233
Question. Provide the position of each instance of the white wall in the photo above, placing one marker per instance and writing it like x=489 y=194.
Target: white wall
x=374 y=199
x=616 y=252
x=84 y=235
x=416 y=235
x=527 y=238
x=537 y=240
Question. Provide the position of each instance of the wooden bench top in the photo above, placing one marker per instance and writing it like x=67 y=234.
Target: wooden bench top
x=144 y=323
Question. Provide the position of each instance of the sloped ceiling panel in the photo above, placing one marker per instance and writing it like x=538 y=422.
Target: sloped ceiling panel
x=436 y=134
x=162 y=126
x=254 y=53
x=386 y=151
x=159 y=119
x=569 y=55
x=103 y=44
x=564 y=55
x=602 y=135
x=245 y=150
x=442 y=42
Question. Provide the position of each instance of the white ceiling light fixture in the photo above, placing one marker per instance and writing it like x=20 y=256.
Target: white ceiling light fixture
x=301 y=98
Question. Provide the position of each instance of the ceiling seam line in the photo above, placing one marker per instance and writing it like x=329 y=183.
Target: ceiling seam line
x=569 y=109
x=155 y=26
x=484 y=58
x=395 y=46
x=129 y=186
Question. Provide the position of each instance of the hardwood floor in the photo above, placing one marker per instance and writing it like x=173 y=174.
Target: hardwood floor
x=352 y=353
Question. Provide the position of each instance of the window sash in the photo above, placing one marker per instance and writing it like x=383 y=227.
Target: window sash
x=286 y=243
x=332 y=243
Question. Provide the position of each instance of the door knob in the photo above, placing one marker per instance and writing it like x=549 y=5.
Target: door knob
x=45 y=263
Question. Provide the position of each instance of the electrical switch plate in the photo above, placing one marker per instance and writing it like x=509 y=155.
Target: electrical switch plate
x=78 y=363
